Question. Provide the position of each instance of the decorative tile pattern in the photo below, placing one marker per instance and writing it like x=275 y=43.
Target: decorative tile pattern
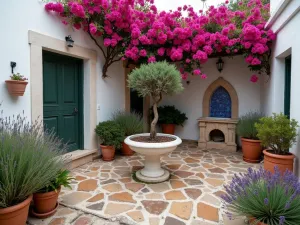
x=220 y=103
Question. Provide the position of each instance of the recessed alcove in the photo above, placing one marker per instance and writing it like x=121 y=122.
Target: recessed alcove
x=216 y=136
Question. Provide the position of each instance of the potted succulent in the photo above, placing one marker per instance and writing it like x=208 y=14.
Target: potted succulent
x=169 y=117
x=111 y=136
x=251 y=145
x=30 y=159
x=132 y=123
x=278 y=133
x=264 y=198
x=154 y=79
x=45 y=200
x=16 y=85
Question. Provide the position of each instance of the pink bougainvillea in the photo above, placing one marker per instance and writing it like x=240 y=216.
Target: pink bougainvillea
x=137 y=31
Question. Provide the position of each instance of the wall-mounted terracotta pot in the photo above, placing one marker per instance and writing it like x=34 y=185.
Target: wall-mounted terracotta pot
x=108 y=152
x=251 y=150
x=15 y=215
x=283 y=162
x=16 y=87
x=126 y=150
x=168 y=128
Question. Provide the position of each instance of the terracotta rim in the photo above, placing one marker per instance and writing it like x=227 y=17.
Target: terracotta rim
x=251 y=140
x=16 y=81
x=292 y=156
x=46 y=194
x=44 y=215
x=16 y=207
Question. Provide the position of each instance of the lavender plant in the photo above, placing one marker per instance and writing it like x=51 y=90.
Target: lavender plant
x=273 y=199
x=30 y=158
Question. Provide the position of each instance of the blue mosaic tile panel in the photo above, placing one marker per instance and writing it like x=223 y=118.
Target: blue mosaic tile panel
x=220 y=103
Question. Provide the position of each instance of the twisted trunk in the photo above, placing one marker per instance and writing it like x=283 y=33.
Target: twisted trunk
x=156 y=100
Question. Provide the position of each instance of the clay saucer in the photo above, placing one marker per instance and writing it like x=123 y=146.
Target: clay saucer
x=43 y=215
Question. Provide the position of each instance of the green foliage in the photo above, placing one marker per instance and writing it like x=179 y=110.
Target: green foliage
x=246 y=125
x=18 y=76
x=30 y=158
x=170 y=115
x=154 y=79
x=131 y=122
x=110 y=133
x=277 y=132
x=62 y=179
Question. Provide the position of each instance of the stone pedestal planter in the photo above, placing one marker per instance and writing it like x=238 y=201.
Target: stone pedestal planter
x=152 y=172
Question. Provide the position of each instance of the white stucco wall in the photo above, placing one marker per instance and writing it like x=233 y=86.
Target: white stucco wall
x=190 y=100
x=20 y=16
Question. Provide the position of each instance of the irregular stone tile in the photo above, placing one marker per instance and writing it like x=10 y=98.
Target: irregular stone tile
x=134 y=187
x=145 y=190
x=193 y=193
x=125 y=180
x=219 y=193
x=207 y=212
x=215 y=175
x=95 y=168
x=104 y=171
x=174 y=195
x=154 y=221
x=211 y=200
x=183 y=174
x=108 y=181
x=222 y=165
x=96 y=198
x=161 y=187
x=193 y=182
x=201 y=175
x=237 y=221
x=191 y=160
x=75 y=198
x=221 y=160
x=207 y=165
x=173 y=166
x=199 y=222
x=172 y=221
x=97 y=206
x=64 y=211
x=83 y=220
x=199 y=169
x=80 y=178
x=57 y=221
x=137 y=216
x=154 y=196
x=193 y=165
x=116 y=208
x=135 y=163
x=112 y=187
x=122 y=197
x=214 y=182
x=119 y=163
x=217 y=170
x=122 y=173
x=174 y=177
x=87 y=185
x=92 y=174
x=177 y=184
x=182 y=210
x=104 y=175
x=155 y=207
x=184 y=167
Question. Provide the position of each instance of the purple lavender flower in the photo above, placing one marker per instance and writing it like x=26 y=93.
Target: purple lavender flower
x=266 y=201
x=281 y=220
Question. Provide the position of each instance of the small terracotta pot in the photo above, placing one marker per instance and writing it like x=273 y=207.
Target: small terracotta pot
x=168 y=128
x=108 y=152
x=126 y=150
x=251 y=150
x=15 y=215
x=45 y=202
x=252 y=221
x=16 y=87
x=282 y=161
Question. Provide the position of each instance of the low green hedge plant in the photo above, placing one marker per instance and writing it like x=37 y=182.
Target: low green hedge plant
x=246 y=125
x=62 y=178
x=168 y=114
x=131 y=122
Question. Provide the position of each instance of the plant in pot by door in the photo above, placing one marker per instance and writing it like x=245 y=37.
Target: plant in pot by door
x=154 y=79
x=45 y=200
x=169 y=117
x=264 y=198
x=278 y=133
x=111 y=137
x=29 y=159
x=132 y=123
x=16 y=85
x=251 y=145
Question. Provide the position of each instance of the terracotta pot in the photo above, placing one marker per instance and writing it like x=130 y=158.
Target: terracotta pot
x=168 y=128
x=282 y=161
x=16 y=87
x=108 y=152
x=45 y=202
x=15 y=215
x=126 y=150
x=252 y=221
x=251 y=150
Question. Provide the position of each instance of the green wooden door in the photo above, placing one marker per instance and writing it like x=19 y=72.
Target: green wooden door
x=287 y=86
x=62 y=94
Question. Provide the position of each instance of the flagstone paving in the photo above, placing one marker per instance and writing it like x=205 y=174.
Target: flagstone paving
x=106 y=193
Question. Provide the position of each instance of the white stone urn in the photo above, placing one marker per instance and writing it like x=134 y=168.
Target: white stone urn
x=153 y=172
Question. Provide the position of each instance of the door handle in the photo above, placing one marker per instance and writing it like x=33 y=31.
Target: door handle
x=75 y=111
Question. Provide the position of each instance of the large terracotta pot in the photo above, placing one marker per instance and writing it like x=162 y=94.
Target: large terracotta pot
x=126 y=150
x=108 y=152
x=251 y=150
x=15 y=215
x=252 y=221
x=16 y=87
x=168 y=128
x=283 y=162
x=45 y=203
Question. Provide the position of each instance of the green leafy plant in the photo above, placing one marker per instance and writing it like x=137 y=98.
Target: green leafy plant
x=110 y=133
x=246 y=125
x=62 y=179
x=18 y=76
x=131 y=122
x=30 y=158
x=170 y=115
x=277 y=132
x=154 y=80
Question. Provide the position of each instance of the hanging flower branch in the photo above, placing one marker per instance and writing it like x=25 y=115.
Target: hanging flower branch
x=135 y=30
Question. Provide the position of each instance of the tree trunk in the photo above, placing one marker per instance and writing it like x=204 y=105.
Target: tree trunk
x=154 y=122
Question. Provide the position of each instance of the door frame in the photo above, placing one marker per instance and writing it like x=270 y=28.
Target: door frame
x=38 y=43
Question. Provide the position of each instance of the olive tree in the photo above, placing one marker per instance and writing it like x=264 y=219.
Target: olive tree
x=154 y=80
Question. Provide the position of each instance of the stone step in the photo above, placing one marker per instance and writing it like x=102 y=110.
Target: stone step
x=80 y=157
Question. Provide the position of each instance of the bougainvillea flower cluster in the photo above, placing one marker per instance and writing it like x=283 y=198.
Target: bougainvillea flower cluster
x=137 y=31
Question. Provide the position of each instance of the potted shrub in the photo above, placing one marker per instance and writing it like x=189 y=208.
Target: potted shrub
x=16 y=85
x=132 y=123
x=169 y=116
x=45 y=200
x=278 y=133
x=264 y=198
x=251 y=145
x=154 y=79
x=29 y=159
x=111 y=137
